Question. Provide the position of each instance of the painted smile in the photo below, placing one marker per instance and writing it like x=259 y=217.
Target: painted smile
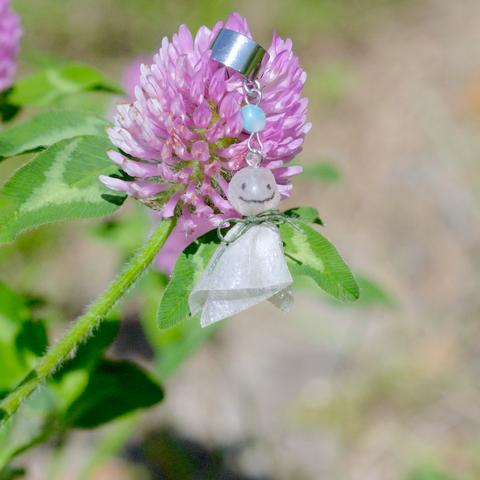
x=246 y=200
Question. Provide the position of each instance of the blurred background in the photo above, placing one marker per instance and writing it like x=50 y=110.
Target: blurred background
x=385 y=389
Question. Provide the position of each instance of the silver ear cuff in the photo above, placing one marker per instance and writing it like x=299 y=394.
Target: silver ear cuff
x=238 y=52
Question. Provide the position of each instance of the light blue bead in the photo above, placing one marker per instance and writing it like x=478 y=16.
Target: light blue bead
x=254 y=118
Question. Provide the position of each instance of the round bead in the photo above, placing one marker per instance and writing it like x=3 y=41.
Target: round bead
x=254 y=118
x=253 y=190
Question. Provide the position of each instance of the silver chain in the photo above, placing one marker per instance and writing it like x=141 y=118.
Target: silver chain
x=252 y=91
x=253 y=95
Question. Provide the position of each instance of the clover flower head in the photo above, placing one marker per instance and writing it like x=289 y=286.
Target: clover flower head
x=181 y=139
x=10 y=34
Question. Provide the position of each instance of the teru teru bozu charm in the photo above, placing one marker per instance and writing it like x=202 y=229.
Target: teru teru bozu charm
x=249 y=267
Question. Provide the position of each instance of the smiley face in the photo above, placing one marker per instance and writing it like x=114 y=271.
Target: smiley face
x=253 y=190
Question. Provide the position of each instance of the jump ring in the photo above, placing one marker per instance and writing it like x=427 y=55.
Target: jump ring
x=250 y=146
x=253 y=92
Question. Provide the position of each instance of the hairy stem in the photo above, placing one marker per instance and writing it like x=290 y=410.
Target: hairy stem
x=85 y=325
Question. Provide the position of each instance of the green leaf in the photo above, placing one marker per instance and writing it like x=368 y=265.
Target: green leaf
x=21 y=338
x=324 y=171
x=33 y=338
x=188 y=267
x=53 y=83
x=46 y=129
x=115 y=388
x=11 y=473
x=14 y=308
x=305 y=214
x=372 y=293
x=311 y=254
x=58 y=184
x=7 y=110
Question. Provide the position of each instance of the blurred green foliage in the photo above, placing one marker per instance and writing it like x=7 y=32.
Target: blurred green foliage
x=52 y=83
x=328 y=84
x=22 y=338
x=430 y=472
x=324 y=171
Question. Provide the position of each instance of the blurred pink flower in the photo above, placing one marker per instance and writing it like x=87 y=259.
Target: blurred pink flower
x=182 y=139
x=132 y=74
x=10 y=34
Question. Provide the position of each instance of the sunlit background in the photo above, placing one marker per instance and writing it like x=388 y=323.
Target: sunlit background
x=385 y=389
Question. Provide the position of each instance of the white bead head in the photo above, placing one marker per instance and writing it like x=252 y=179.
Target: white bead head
x=253 y=190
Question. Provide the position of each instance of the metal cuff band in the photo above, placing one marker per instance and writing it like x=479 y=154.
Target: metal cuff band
x=237 y=51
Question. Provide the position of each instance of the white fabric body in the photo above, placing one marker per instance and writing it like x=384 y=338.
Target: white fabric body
x=246 y=272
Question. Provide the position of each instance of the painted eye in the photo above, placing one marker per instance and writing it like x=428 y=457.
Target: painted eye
x=269 y=186
x=244 y=185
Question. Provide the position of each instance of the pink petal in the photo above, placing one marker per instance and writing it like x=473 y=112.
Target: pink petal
x=132 y=168
x=200 y=151
x=202 y=115
x=169 y=208
x=238 y=23
x=217 y=86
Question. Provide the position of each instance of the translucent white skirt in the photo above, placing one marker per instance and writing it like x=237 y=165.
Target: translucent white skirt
x=241 y=274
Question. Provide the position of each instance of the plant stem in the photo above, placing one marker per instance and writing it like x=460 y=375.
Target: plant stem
x=85 y=325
